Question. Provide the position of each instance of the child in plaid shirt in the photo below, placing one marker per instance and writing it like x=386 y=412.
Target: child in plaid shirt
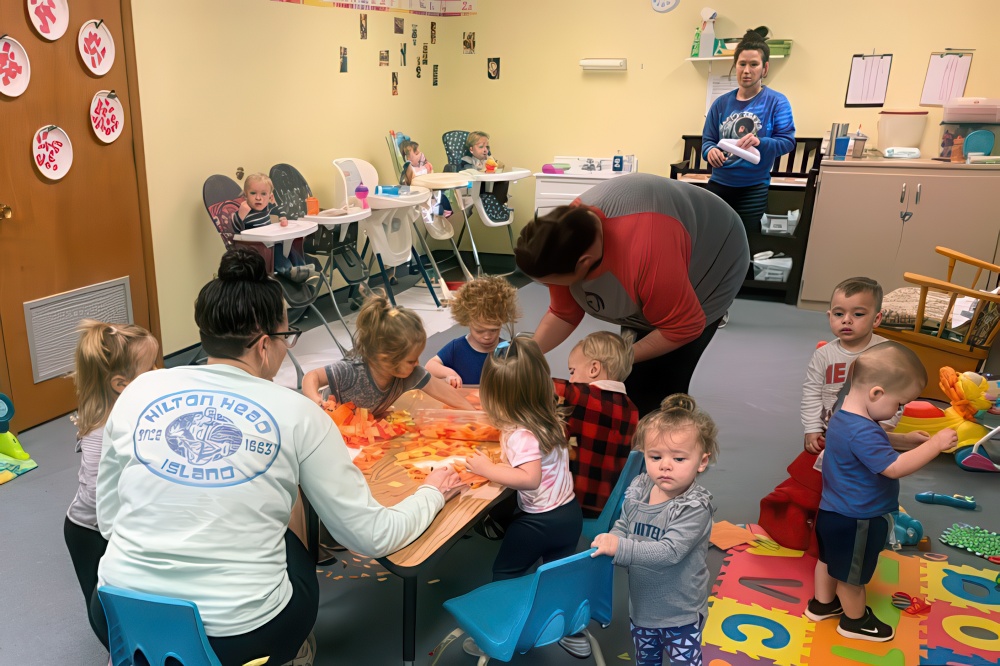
x=602 y=417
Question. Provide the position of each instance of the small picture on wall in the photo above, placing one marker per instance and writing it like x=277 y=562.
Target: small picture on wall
x=434 y=32
x=364 y=26
x=468 y=43
x=402 y=54
x=343 y=59
x=418 y=71
x=493 y=68
x=435 y=75
x=397 y=26
x=395 y=83
x=383 y=58
x=413 y=33
x=423 y=57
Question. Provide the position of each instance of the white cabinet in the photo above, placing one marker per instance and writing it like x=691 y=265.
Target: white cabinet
x=560 y=189
x=881 y=218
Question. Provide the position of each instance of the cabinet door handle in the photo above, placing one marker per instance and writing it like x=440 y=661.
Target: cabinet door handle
x=902 y=194
x=918 y=195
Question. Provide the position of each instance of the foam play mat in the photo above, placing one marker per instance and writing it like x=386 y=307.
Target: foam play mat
x=11 y=468
x=756 y=616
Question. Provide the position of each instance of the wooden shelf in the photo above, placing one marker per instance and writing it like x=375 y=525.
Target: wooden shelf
x=766 y=285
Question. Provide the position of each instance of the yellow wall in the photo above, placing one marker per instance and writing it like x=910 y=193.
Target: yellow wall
x=196 y=121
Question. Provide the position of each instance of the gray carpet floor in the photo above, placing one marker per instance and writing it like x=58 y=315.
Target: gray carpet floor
x=749 y=380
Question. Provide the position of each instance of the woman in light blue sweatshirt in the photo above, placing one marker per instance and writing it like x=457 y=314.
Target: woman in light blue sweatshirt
x=663 y=533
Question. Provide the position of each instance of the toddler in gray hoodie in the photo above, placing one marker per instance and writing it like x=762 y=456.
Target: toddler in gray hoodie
x=663 y=533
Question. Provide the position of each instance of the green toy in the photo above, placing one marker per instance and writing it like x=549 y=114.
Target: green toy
x=976 y=540
x=9 y=446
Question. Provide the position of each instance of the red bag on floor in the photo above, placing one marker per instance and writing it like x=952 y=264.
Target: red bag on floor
x=788 y=513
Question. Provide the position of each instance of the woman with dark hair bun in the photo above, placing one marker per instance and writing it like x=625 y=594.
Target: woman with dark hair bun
x=201 y=467
x=754 y=116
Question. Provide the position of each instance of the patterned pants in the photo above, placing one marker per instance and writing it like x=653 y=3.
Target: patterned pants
x=682 y=645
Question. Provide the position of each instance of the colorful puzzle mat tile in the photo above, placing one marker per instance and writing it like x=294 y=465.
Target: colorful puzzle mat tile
x=11 y=468
x=755 y=616
x=712 y=655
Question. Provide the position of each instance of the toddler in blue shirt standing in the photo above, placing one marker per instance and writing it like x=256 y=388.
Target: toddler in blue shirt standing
x=484 y=306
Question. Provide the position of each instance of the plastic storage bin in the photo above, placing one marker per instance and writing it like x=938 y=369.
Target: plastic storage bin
x=456 y=424
x=901 y=129
x=785 y=224
x=771 y=267
x=972 y=110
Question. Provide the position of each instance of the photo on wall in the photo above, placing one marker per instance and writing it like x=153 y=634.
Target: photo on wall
x=423 y=57
x=493 y=68
x=395 y=83
x=397 y=26
x=434 y=32
x=343 y=59
x=418 y=70
x=383 y=58
x=364 y=26
x=413 y=33
x=402 y=54
x=435 y=75
x=468 y=43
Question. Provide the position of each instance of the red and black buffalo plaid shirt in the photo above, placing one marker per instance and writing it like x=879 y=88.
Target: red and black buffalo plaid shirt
x=603 y=422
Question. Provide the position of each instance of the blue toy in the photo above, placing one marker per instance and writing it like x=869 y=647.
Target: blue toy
x=9 y=446
x=957 y=501
x=908 y=529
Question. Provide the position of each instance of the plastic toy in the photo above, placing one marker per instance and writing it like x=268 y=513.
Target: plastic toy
x=974 y=539
x=957 y=501
x=968 y=393
x=361 y=192
x=9 y=446
x=909 y=604
x=908 y=529
x=973 y=460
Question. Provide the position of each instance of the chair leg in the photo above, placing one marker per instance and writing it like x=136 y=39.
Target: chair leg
x=340 y=316
x=423 y=274
x=472 y=241
x=453 y=636
x=483 y=660
x=458 y=255
x=445 y=295
x=594 y=648
x=385 y=279
x=298 y=370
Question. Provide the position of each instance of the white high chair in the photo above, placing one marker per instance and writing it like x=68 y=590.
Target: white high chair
x=388 y=230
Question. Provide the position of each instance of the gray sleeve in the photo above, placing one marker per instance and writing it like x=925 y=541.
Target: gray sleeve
x=684 y=532
x=417 y=379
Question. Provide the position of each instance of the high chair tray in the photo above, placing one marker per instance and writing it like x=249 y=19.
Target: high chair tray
x=336 y=216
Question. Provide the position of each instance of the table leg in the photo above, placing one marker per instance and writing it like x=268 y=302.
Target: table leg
x=409 y=620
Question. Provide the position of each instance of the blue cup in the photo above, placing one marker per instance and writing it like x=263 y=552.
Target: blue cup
x=840 y=147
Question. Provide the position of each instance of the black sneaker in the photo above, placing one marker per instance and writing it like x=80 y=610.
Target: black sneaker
x=817 y=612
x=868 y=628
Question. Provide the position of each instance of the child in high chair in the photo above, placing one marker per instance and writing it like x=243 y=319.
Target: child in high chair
x=108 y=357
x=436 y=205
x=484 y=306
x=256 y=211
x=663 y=533
x=477 y=154
x=601 y=418
x=516 y=392
x=861 y=475
x=855 y=310
x=385 y=363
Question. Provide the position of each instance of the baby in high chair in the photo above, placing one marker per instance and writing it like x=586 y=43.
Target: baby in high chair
x=477 y=154
x=417 y=165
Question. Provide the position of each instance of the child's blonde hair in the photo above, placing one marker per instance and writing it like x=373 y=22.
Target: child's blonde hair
x=385 y=333
x=516 y=392
x=103 y=352
x=257 y=178
x=678 y=411
x=474 y=138
x=614 y=352
x=485 y=300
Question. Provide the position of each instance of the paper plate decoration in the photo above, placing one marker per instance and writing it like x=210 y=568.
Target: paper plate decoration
x=15 y=70
x=53 y=152
x=97 y=48
x=107 y=116
x=50 y=17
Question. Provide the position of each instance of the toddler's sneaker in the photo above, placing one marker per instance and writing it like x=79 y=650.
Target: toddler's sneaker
x=818 y=612
x=470 y=647
x=577 y=645
x=868 y=628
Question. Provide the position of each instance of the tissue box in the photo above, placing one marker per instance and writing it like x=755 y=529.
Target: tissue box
x=769 y=267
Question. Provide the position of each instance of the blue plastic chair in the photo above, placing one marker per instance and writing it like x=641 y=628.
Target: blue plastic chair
x=159 y=628
x=604 y=522
x=559 y=599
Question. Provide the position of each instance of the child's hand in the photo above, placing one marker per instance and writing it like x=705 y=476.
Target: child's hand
x=815 y=442
x=606 y=544
x=480 y=464
x=944 y=440
x=244 y=210
x=454 y=380
x=429 y=167
x=283 y=221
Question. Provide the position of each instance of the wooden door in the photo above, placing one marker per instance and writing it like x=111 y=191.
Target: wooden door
x=89 y=227
x=856 y=230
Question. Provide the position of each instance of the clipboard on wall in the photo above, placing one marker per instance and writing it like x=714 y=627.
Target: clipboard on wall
x=947 y=74
x=869 y=80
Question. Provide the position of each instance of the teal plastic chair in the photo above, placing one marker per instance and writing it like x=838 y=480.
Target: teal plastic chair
x=559 y=599
x=158 y=628
x=613 y=509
